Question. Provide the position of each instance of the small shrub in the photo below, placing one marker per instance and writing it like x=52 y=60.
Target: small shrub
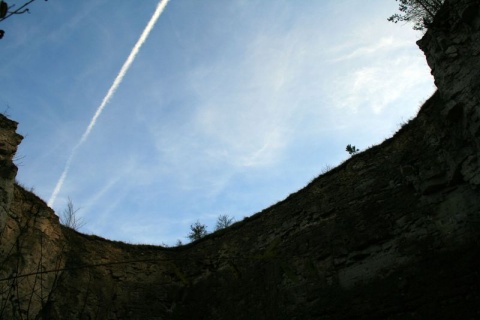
x=197 y=231
x=352 y=149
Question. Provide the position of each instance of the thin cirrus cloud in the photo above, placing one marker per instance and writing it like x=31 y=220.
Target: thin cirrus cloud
x=386 y=43
x=229 y=120
x=246 y=105
x=246 y=111
x=375 y=87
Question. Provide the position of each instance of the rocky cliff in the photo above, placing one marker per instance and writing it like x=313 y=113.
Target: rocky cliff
x=392 y=233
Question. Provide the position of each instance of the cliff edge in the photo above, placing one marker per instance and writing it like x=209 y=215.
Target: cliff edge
x=392 y=233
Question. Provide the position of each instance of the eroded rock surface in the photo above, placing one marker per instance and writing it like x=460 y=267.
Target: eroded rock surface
x=392 y=233
x=9 y=140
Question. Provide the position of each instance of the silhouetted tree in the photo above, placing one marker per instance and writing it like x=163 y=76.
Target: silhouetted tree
x=420 y=12
x=197 y=231
x=69 y=217
x=224 y=221
x=352 y=149
x=7 y=11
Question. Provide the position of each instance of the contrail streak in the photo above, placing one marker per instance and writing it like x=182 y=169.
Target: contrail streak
x=158 y=11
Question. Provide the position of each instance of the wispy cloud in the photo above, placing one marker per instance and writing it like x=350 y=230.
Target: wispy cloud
x=233 y=106
x=247 y=108
x=374 y=87
x=384 y=44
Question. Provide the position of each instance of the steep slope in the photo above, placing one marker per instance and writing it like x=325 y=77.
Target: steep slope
x=392 y=233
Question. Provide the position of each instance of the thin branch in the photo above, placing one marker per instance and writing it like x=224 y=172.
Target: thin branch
x=20 y=10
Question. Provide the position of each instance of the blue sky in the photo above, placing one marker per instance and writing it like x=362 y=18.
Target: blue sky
x=229 y=107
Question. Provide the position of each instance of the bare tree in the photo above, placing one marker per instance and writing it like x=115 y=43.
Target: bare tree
x=69 y=217
x=419 y=12
x=224 y=221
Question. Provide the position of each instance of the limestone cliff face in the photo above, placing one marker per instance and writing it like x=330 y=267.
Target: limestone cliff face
x=392 y=233
x=9 y=140
x=31 y=240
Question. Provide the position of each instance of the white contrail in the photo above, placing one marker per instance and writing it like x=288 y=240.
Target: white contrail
x=158 y=11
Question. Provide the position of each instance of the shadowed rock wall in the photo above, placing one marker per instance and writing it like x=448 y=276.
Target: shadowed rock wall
x=392 y=233
x=9 y=140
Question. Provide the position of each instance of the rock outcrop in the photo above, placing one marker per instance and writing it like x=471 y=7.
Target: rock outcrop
x=31 y=240
x=392 y=233
x=9 y=140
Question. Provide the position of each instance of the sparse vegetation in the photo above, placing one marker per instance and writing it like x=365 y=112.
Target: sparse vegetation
x=197 y=231
x=419 y=12
x=21 y=185
x=224 y=221
x=5 y=112
x=352 y=149
x=69 y=217
x=326 y=168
